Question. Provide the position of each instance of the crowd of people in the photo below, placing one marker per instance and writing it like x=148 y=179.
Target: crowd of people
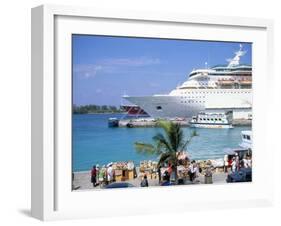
x=170 y=174
x=235 y=163
x=102 y=176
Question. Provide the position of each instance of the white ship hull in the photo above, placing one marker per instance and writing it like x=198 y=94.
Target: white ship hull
x=211 y=126
x=171 y=106
x=188 y=105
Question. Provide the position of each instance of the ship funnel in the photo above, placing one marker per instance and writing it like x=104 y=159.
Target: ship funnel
x=236 y=59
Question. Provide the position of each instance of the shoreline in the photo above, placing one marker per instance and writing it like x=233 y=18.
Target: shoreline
x=138 y=165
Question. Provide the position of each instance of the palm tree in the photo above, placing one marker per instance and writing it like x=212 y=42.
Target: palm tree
x=166 y=145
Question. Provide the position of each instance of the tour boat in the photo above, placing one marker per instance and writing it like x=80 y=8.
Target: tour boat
x=211 y=120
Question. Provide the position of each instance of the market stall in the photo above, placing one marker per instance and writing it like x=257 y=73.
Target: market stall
x=124 y=171
x=149 y=168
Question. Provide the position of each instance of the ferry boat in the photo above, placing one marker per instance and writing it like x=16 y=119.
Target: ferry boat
x=222 y=87
x=211 y=120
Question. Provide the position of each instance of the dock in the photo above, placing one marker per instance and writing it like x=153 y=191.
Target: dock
x=242 y=122
x=144 y=122
x=149 y=122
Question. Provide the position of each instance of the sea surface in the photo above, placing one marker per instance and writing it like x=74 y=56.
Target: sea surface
x=95 y=143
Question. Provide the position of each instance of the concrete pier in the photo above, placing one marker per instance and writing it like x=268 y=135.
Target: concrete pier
x=242 y=122
x=143 y=122
x=146 y=122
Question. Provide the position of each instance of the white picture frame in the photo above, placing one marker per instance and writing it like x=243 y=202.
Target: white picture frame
x=52 y=197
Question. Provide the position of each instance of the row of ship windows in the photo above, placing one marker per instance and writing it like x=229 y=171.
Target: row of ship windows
x=218 y=92
x=193 y=101
x=206 y=83
x=212 y=119
x=184 y=97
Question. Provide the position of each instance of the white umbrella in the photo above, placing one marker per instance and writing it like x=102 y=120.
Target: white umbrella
x=109 y=164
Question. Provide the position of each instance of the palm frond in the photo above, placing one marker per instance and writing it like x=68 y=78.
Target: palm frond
x=166 y=125
x=167 y=157
x=175 y=136
x=163 y=158
x=143 y=148
x=162 y=142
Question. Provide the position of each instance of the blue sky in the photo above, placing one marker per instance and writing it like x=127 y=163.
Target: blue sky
x=105 y=68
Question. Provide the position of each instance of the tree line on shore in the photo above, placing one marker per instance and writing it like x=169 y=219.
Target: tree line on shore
x=92 y=108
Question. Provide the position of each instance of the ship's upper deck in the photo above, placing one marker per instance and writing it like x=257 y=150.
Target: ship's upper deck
x=232 y=69
x=224 y=70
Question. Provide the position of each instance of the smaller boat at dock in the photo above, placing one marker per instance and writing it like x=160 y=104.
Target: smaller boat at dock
x=113 y=122
x=212 y=120
x=246 y=137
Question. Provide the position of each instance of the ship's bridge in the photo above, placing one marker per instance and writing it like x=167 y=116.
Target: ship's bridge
x=200 y=73
x=222 y=70
x=198 y=84
x=226 y=68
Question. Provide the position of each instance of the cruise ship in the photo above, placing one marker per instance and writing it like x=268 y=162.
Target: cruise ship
x=220 y=88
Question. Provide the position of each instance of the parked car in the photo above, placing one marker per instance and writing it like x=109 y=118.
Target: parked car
x=120 y=185
x=167 y=183
x=243 y=175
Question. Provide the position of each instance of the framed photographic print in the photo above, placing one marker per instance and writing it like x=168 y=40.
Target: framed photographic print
x=130 y=109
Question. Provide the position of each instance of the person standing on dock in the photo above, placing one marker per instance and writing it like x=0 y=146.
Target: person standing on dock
x=101 y=176
x=196 y=171
x=97 y=174
x=233 y=164
x=94 y=176
x=226 y=163
x=159 y=174
x=192 y=171
x=170 y=170
x=144 y=182
x=109 y=173
x=237 y=159
x=173 y=174
x=247 y=163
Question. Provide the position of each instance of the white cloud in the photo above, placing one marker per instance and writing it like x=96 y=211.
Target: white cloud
x=87 y=70
x=113 y=65
x=131 y=62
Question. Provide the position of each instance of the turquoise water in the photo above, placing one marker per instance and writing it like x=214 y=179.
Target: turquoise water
x=95 y=143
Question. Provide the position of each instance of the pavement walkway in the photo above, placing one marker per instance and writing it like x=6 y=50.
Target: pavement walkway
x=82 y=180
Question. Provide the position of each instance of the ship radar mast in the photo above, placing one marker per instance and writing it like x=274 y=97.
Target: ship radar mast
x=235 y=60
